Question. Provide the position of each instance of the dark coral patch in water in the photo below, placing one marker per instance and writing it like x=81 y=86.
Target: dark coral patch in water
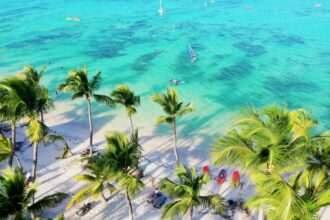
x=283 y=86
x=288 y=40
x=142 y=63
x=250 y=49
x=236 y=71
x=108 y=49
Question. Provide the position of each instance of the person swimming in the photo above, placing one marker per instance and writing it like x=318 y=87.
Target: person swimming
x=177 y=81
x=248 y=7
x=317 y=5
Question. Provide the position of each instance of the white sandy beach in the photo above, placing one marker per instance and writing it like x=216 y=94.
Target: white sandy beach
x=58 y=175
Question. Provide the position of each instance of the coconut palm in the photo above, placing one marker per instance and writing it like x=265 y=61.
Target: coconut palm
x=262 y=141
x=78 y=83
x=124 y=96
x=21 y=101
x=11 y=109
x=98 y=180
x=35 y=132
x=186 y=194
x=122 y=156
x=16 y=199
x=32 y=73
x=301 y=197
x=303 y=123
x=173 y=109
x=44 y=103
x=6 y=150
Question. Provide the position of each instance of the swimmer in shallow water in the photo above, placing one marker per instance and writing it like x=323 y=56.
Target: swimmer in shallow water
x=248 y=7
x=317 y=5
x=76 y=19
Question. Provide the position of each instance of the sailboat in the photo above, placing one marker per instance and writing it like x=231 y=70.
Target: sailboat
x=161 y=9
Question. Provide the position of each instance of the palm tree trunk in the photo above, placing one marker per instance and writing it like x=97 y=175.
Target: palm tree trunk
x=132 y=127
x=129 y=205
x=42 y=117
x=18 y=162
x=35 y=161
x=90 y=126
x=191 y=212
x=175 y=143
x=13 y=141
x=103 y=197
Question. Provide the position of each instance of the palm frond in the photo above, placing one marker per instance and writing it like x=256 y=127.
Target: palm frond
x=104 y=99
x=47 y=201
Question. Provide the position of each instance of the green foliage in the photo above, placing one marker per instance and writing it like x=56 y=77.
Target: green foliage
x=262 y=141
x=36 y=131
x=122 y=156
x=98 y=179
x=5 y=148
x=15 y=198
x=186 y=194
x=78 y=83
x=277 y=143
x=171 y=106
x=124 y=96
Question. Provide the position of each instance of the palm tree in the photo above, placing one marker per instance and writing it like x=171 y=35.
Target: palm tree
x=124 y=96
x=122 y=156
x=186 y=194
x=35 y=132
x=261 y=141
x=173 y=109
x=21 y=101
x=301 y=197
x=98 y=180
x=44 y=103
x=16 y=199
x=6 y=150
x=32 y=73
x=11 y=109
x=78 y=83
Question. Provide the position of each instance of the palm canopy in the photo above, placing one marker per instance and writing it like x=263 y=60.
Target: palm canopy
x=97 y=178
x=78 y=83
x=23 y=94
x=261 y=140
x=187 y=193
x=15 y=198
x=124 y=96
x=300 y=197
x=11 y=107
x=32 y=73
x=171 y=105
x=122 y=155
x=5 y=148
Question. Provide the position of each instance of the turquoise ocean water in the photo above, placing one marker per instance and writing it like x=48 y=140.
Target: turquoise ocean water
x=276 y=52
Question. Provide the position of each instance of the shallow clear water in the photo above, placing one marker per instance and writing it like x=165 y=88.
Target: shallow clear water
x=276 y=52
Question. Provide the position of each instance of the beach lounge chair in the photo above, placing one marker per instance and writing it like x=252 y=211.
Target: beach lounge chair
x=153 y=196
x=83 y=210
x=159 y=201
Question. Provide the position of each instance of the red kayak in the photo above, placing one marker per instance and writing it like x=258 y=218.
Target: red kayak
x=221 y=178
x=206 y=169
x=235 y=179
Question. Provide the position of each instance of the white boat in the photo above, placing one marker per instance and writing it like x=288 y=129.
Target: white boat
x=161 y=9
